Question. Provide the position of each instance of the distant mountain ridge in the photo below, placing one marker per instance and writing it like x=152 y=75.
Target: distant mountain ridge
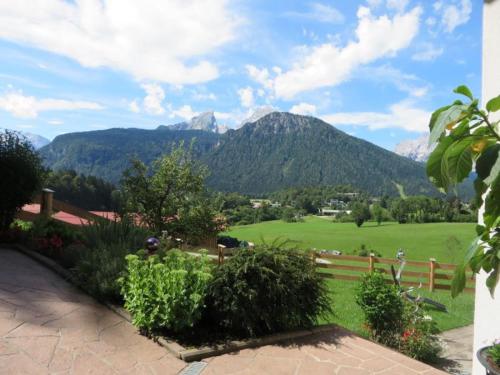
x=277 y=151
x=36 y=140
x=282 y=150
x=205 y=121
x=415 y=149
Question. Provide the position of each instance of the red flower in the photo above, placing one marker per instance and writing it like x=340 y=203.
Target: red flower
x=56 y=242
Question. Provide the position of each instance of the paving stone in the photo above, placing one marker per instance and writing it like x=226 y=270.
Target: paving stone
x=38 y=348
x=61 y=361
x=227 y=364
x=308 y=367
x=275 y=366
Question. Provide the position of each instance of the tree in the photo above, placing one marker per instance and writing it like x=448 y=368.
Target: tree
x=360 y=212
x=167 y=195
x=467 y=137
x=88 y=192
x=399 y=210
x=21 y=175
x=378 y=213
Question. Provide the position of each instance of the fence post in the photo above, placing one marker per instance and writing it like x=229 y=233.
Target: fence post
x=371 y=262
x=46 y=203
x=432 y=267
x=313 y=258
x=221 y=248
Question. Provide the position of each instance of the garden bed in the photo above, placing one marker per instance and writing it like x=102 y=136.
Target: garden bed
x=187 y=348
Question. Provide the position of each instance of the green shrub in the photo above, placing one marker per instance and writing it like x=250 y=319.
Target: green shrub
x=51 y=236
x=47 y=228
x=100 y=233
x=382 y=307
x=396 y=322
x=98 y=270
x=102 y=261
x=166 y=292
x=265 y=290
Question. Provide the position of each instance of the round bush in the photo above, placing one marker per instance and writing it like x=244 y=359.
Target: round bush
x=382 y=307
x=267 y=289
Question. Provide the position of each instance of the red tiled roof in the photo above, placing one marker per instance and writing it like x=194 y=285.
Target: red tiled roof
x=33 y=208
x=70 y=219
x=110 y=215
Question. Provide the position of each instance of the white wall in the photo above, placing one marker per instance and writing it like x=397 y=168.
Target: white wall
x=487 y=309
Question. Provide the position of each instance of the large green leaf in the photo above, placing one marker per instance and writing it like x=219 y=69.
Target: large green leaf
x=464 y=90
x=492 y=204
x=459 y=278
x=493 y=105
x=457 y=161
x=450 y=116
x=495 y=170
x=434 y=170
x=435 y=116
x=486 y=161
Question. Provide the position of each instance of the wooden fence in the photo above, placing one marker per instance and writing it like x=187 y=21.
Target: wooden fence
x=431 y=275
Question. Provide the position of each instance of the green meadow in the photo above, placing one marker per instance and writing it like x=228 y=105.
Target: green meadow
x=447 y=242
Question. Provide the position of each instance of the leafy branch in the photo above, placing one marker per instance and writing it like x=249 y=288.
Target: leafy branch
x=466 y=138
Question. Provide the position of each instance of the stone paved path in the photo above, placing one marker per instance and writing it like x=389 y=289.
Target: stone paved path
x=458 y=350
x=338 y=352
x=49 y=326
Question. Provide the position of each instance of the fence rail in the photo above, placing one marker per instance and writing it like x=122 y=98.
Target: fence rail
x=432 y=274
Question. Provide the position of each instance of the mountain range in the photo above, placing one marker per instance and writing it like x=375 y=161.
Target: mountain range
x=415 y=149
x=205 y=121
x=277 y=151
x=36 y=140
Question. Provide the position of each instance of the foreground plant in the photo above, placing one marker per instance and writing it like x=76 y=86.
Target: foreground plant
x=395 y=322
x=466 y=136
x=166 y=292
x=267 y=289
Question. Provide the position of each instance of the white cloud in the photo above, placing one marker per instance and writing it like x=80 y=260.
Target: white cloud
x=403 y=115
x=330 y=65
x=319 y=12
x=134 y=107
x=398 y=5
x=427 y=52
x=163 y=41
x=55 y=122
x=152 y=100
x=303 y=109
x=454 y=15
x=20 y=105
x=185 y=112
x=405 y=82
x=246 y=97
x=261 y=76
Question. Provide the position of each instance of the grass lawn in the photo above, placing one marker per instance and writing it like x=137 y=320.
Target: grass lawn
x=447 y=242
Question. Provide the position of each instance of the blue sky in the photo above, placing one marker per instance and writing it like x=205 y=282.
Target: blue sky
x=374 y=69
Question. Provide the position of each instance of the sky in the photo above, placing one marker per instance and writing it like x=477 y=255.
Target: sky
x=375 y=69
